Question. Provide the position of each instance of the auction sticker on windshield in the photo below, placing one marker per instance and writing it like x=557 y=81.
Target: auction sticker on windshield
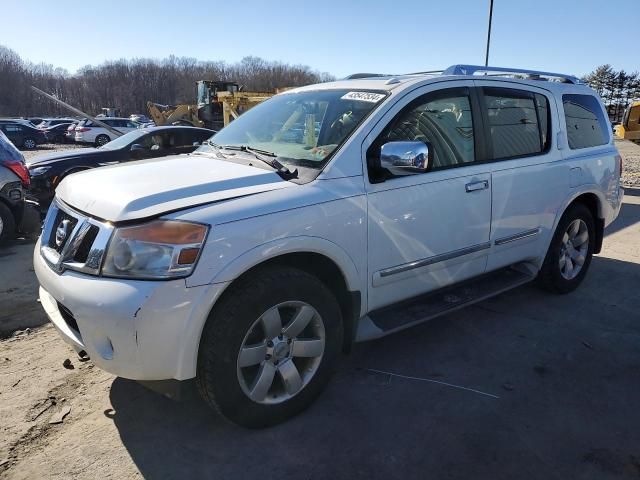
x=363 y=96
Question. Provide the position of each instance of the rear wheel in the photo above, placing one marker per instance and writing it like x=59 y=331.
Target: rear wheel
x=7 y=224
x=29 y=143
x=102 y=140
x=269 y=347
x=570 y=251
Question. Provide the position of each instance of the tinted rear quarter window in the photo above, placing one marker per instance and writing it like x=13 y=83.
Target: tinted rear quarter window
x=586 y=125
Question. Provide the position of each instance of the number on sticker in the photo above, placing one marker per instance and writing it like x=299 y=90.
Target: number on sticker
x=363 y=96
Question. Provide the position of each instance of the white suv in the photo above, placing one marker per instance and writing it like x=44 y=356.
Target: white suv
x=88 y=132
x=329 y=214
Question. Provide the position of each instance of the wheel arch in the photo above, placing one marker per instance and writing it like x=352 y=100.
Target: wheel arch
x=593 y=201
x=319 y=257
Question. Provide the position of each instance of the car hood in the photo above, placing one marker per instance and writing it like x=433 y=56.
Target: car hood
x=152 y=187
x=42 y=160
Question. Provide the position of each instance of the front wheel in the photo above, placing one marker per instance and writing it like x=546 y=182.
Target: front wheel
x=570 y=251
x=269 y=347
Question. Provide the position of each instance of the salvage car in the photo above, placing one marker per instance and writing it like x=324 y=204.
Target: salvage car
x=47 y=171
x=14 y=178
x=251 y=264
x=57 y=133
x=22 y=134
x=89 y=132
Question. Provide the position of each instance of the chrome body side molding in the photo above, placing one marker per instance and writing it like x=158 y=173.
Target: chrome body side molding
x=435 y=259
x=517 y=236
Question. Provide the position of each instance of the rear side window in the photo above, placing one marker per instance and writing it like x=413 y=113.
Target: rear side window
x=518 y=122
x=586 y=125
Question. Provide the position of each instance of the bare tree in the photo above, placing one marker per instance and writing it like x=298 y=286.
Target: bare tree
x=129 y=84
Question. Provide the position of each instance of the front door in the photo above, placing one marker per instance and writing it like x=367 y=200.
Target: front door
x=429 y=230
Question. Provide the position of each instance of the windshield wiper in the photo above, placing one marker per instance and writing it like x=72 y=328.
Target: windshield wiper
x=269 y=158
x=218 y=148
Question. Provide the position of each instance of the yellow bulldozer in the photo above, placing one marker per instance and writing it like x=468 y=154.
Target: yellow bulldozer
x=629 y=129
x=218 y=103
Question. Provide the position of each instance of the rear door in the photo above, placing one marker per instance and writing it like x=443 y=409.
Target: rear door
x=529 y=182
x=429 y=230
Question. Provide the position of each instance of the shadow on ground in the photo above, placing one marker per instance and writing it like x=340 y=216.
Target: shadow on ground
x=566 y=370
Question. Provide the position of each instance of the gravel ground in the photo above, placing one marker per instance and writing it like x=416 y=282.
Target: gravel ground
x=630 y=162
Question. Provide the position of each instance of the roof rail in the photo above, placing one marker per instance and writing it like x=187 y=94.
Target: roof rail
x=355 y=76
x=530 y=74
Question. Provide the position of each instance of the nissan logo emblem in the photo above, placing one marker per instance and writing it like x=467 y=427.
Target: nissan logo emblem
x=62 y=232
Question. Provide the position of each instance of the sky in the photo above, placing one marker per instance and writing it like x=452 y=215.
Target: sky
x=335 y=36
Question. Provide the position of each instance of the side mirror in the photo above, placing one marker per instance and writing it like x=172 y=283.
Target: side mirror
x=406 y=158
x=138 y=151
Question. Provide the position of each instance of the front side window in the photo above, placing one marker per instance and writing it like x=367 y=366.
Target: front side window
x=443 y=119
x=518 y=122
x=302 y=128
x=586 y=125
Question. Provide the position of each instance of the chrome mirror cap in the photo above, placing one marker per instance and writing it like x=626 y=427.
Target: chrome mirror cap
x=406 y=158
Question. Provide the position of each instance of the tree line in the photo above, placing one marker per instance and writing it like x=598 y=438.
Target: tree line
x=129 y=84
x=617 y=88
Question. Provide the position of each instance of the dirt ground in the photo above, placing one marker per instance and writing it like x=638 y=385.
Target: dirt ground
x=555 y=392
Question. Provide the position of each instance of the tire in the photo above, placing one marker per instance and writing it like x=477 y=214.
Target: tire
x=29 y=143
x=240 y=320
x=102 y=140
x=556 y=277
x=7 y=224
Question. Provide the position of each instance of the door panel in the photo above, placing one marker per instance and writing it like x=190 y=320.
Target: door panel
x=428 y=230
x=527 y=190
x=426 y=236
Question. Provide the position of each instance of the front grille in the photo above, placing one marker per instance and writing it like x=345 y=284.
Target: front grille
x=82 y=240
x=68 y=318
x=82 y=254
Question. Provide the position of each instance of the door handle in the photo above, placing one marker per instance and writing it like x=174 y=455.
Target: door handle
x=475 y=186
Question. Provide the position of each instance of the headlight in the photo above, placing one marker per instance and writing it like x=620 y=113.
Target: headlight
x=38 y=171
x=160 y=249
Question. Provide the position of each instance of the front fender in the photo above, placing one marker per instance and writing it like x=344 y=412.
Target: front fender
x=296 y=244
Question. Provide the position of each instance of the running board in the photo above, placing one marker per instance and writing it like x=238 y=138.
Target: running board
x=425 y=307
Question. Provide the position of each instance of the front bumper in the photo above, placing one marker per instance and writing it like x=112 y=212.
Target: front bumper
x=42 y=189
x=142 y=330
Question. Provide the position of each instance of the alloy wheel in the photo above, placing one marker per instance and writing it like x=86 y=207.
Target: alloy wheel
x=574 y=248
x=29 y=144
x=281 y=352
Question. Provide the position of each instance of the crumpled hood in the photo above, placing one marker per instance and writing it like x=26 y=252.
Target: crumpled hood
x=151 y=187
x=46 y=158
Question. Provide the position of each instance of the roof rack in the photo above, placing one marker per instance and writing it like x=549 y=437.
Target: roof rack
x=529 y=74
x=355 y=76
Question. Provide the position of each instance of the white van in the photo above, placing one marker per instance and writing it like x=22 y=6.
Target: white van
x=329 y=214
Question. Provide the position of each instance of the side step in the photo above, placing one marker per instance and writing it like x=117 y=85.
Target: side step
x=425 y=307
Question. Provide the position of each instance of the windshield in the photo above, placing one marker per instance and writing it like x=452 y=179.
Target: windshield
x=300 y=128
x=123 y=140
